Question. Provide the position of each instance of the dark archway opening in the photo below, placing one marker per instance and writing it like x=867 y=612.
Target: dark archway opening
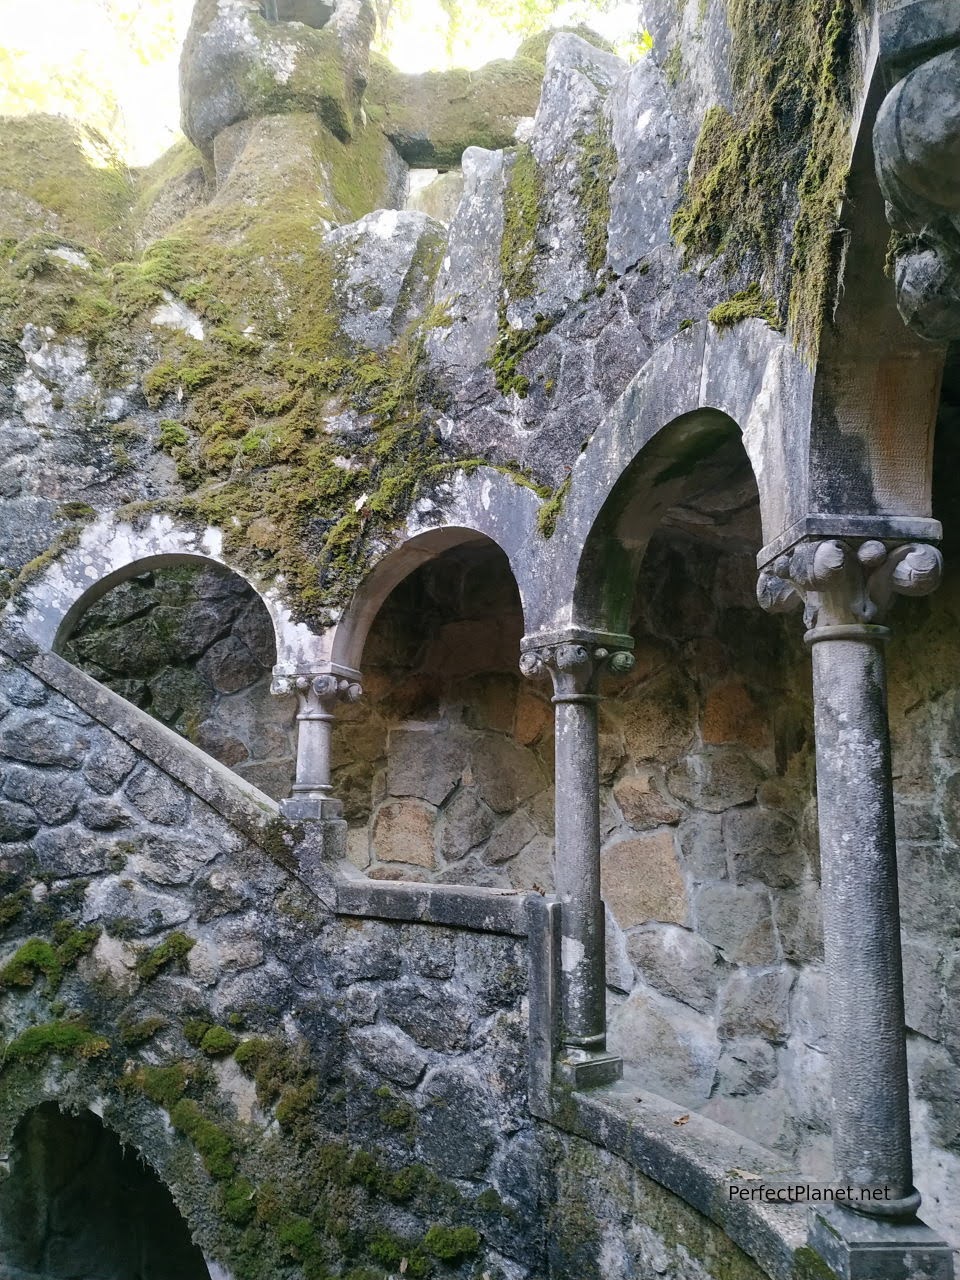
x=193 y=644
x=445 y=766
x=77 y=1205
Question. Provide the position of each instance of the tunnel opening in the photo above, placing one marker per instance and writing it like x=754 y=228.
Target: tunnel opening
x=78 y=1205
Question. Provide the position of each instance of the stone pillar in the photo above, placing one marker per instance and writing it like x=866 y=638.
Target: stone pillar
x=318 y=694
x=574 y=661
x=846 y=587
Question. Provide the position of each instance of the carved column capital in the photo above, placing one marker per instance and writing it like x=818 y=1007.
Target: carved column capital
x=847 y=582
x=575 y=661
x=319 y=692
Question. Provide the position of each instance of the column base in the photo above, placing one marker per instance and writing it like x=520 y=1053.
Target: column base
x=586 y=1069
x=311 y=808
x=856 y=1247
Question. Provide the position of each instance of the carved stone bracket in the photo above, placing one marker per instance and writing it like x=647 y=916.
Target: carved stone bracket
x=318 y=694
x=575 y=665
x=916 y=143
x=843 y=583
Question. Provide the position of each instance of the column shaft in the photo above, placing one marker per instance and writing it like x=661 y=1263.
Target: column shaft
x=871 y=1120
x=578 y=871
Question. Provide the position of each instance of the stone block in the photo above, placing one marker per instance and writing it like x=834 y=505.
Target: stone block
x=643 y=804
x=157 y=797
x=123 y=906
x=390 y=1053
x=677 y=1051
x=611 y=754
x=731 y=715
x=464 y=824
x=171 y=859
x=715 y=779
x=23 y=689
x=533 y=720
x=747 y=1065
x=455 y=1133
x=513 y=835
x=505 y=773
x=658 y=719
x=432 y=1017
x=17 y=822
x=799 y=922
x=678 y=963
x=53 y=796
x=228 y=665
x=533 y=867
x=109 y=761
x=755 y=1004
x=921 y=987
x=488 y=701
x=738 y=920
x=69 y=851
x=701 y=843
x=45 y=741
x=403 y=831
x=808 y=1008
x=100 y=814
x=762 y=844
x=640 y=880
x=425 y=764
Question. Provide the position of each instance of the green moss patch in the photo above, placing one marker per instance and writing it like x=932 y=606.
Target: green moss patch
x=750 y=303
x=60 y=1039
x=597 y=169
x=432 y=118
x=172 y=952
x=37 y=957
x=780 y=160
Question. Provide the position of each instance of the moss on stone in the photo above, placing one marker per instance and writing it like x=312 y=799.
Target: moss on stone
x=780 y=160
x=70 y=170
x=64 y=1038
x=215 y=1145
x=596 y=170
x=432 y=118
x=451 y=1244
x=38 y=957
x=750 y=303
x=534 y=47
x=134 y=1034
x=172 y=952
x=550 y=511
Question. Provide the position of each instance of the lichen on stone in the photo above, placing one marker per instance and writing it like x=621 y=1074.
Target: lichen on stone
x=780 y=157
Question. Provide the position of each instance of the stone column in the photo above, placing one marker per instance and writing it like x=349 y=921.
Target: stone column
x=846 y=587
x=574 y=661
x=318 y=694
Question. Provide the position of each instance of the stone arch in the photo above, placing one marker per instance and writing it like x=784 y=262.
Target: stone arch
x=696 y=449
x=354 y=626
x=110 y=552
x=699 y=380
x=79 y=1202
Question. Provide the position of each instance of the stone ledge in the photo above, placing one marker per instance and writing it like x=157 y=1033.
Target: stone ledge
x=251 y=811
x=692 y=1160
x=466 y=907
x=884 y=528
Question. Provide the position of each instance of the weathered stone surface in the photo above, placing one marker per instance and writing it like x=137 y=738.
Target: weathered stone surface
x=755 y=1004
x=403 y=831
x=156 y=797
x=430 y=952
x=108 y=762
x=385 y=264
x=677 y=1050
x=678 y=963
x=762 y=844
x=618 y=966
x=53 y=796
x=17 y=822
x=26 y=738
x=921 y=986
x=70 y=851
x=391 y=1053
x=433 y=1019
x=533 y=867
x=464 y=823
x=731 y=714
x=505 y=773
x=127 y=907
x=701 y=843
x=747 y=1065
x=643 y=804
x=716 y=779
x=455 y=1132
x=513 y=835
x=425 y=763
x=658 y=720
x=640 y=880
x=738 y=921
